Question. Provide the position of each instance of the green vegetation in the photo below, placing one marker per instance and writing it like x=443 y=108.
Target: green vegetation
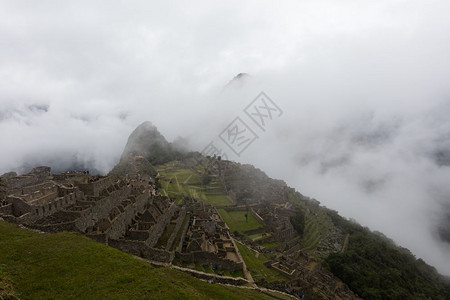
x=298 y=222
x=236 y=220
x=147 y=141
x=375 y=268
x=270 y=245
x=280 y=296
x=71 y=266
x=180 y=232
x=255 y=236
x=187 y=182
x=314 y=232
x=180 y=182
x=6 y=286
x=371 y=265
x=255 y=263
x=208 y=269
x=216 y=199
x=133 y=165
x=162 y=242
x=206 y=179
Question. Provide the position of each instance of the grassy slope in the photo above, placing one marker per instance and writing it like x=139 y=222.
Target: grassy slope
x=178 y=182
x=236 y=220
x=6 y=286
x=71 y=266
x=256 y=266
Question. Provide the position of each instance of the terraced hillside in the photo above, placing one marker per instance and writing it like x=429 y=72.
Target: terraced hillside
x=71 y=266
x=255 y=263
x=177 y=182
x=237 y=221
x=320 y=235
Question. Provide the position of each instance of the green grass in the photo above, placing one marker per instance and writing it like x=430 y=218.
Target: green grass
x=208 y=269
x=6 y=286
x=236 y=221
x=178 y=182
x=164 y=238
x=281 y=296
x=315 y=229
x=270 y=245
x=256 y=266
x=71 y=266
x=255 y=236
x=186 y=182
x=217 y=199
x=179 y=233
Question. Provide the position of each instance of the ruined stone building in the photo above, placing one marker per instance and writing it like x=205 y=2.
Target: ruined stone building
x=126 y=213
x=276 y=220
x=207 y=240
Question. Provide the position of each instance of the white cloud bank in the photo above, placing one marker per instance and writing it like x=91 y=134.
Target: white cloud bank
x=363 y=86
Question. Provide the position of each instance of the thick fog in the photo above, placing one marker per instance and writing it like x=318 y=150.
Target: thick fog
x=363 y=87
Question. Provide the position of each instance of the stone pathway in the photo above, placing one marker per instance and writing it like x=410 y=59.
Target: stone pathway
x=238 y=280
x=344 y=246
x=245 y=269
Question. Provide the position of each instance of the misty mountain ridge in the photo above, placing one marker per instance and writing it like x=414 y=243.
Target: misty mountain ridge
x=147 y=141
x=247 y=183
x=238 y=81
x=334 y=154
x=369 y=263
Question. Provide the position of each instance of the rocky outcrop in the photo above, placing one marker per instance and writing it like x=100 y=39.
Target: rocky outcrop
x=148 y=142
x=133 y=165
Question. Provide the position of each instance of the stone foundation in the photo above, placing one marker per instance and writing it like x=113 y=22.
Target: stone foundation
x=140 y=249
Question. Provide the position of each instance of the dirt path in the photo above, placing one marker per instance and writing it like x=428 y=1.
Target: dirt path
x=245 y=269
x=238 y=280
x=185 y=182
x=344 y=247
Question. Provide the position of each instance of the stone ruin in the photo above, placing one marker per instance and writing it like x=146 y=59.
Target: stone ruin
x=125 y=212
x=128 y=213
x=304 y=273
x=276 y=220
x=206 y=239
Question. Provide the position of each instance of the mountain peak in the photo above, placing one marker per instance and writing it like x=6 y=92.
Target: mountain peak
x=238 y=81
x=148 y=142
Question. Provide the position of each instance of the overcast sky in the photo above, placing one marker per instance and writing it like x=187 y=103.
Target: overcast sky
x=363 y=86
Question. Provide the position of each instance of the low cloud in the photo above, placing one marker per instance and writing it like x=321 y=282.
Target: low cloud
x=363 y=87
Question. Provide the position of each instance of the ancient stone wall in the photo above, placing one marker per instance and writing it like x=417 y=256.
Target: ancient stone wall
x=140 y=249
x=67 y=226
x=254 y=231
x=77 y=177
x=101 y=209
x=209 y=258
x=120 y=223
x=43 y=187
x=20 y=207
x=215 y=278
x=6 y=209
x=177 y=228
x=94 y=188
x=256 y=215
x=157 y=230
x=138 y=235
x=98 y=237
x=40 y=197
x=46 y=209
x=183 y=236
x=20 y=181
x=36 y=176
